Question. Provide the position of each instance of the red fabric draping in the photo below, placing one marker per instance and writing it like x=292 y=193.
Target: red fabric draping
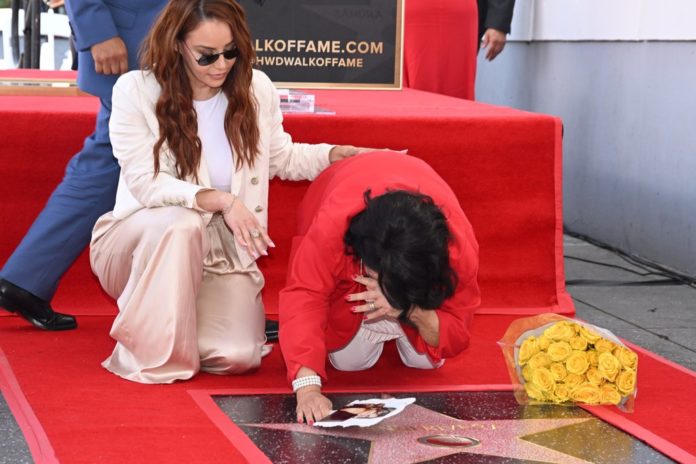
x=440 y=46
x=503 y=164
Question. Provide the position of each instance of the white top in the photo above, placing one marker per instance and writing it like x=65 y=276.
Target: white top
x=216 y=148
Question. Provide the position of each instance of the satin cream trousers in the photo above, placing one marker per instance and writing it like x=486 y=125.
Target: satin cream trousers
x=364 y=350
x=185 y=302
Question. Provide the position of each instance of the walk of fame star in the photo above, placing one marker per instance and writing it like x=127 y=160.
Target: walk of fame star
x=396 y=440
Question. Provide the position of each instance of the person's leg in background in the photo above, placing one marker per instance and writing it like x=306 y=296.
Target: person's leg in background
x=30 y=276
x=440 y=45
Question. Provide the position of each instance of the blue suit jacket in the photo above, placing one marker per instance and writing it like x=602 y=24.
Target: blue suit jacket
x=94 y=21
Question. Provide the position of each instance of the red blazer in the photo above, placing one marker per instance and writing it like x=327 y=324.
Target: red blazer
x=315 y=318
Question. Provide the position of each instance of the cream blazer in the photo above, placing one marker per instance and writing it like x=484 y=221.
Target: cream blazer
x=134 y=130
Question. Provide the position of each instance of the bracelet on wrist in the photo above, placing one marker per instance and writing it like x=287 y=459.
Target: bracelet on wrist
x=227 y=208
x=306 y=381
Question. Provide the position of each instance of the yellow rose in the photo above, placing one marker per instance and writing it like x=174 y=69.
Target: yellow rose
x=573 y=380
x=543 y=379
x=559 y=351
x=528 y=349
x=608 y=366
x=560 y=331
x=540 y=360
x=585 y=393
x=533 y=391
x=561 y=393
x=626 y=381
x=604 y=346
x=578 y=343
x=559 y=371
x=527 y=373
x=543 y=342
x=609 y=395
x=593 y=357
x=594 y=376
x=626 y=357
x=588 y=334
x=577 y=363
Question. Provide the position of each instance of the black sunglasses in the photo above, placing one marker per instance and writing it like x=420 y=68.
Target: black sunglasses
x=207 y=60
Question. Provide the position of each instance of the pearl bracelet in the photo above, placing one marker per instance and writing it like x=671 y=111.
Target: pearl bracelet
x=305 y=382
x=227 y=208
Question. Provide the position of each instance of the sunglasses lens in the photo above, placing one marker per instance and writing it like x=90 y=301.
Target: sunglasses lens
x=231 y=54
x=206 y=60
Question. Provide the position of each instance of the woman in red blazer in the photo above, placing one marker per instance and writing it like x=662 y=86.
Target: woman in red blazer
x=383 y=251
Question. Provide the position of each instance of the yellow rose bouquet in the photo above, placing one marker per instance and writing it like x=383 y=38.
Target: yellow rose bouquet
x=554 y=359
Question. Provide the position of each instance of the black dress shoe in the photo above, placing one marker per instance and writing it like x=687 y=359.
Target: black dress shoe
x=271 y=330
x=32 y=308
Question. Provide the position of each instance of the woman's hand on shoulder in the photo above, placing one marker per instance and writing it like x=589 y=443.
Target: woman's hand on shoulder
x=340 y=152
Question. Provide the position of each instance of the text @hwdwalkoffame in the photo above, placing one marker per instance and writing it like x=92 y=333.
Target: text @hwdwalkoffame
x=315 y=53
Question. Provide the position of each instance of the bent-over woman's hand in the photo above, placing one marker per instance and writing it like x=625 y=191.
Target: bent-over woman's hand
x=376 y=304
x=312 y=405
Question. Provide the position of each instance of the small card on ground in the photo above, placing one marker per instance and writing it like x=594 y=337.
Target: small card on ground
x=365 y=413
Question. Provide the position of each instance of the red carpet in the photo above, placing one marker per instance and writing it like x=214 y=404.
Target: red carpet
x=505 y=166
x=90 y=415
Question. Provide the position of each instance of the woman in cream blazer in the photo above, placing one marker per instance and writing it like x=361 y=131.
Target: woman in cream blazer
x=178 y=252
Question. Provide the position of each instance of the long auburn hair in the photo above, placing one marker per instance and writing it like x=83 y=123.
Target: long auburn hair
x=175 y=113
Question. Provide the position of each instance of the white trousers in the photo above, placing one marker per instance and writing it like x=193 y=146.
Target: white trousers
x=185 y=302
x=363 y=351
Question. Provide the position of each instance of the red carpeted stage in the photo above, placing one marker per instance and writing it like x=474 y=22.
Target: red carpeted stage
x=505 y=166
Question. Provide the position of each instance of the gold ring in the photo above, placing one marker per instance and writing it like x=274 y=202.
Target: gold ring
x=255 y=233
x=372 y=306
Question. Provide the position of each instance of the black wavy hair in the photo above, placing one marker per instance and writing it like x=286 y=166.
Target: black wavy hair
x=403 y=236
